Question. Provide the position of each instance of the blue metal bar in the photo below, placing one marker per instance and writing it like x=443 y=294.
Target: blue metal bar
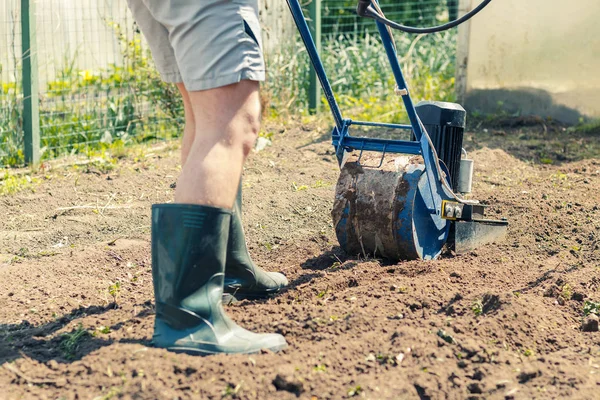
x=311 y=48
x=372 y=144
x=426 y=151
x=381 y=124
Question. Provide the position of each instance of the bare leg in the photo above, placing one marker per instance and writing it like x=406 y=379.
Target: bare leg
x=190 y=125
x=227 y=120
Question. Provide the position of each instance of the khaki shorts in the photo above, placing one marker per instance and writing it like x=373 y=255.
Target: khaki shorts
x=203 y=43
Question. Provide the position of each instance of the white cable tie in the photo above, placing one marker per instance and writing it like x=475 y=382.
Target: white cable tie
x=400 y=92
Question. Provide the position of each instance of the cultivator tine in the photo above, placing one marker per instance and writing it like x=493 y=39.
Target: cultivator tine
x=383 y=153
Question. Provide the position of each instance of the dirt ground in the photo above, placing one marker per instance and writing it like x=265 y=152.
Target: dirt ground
x=503 y=322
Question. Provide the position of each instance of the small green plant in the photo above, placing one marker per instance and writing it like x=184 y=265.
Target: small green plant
x=590 y=307
x=319 y=184
x=71 y=341
x=11 y=184
x=115 y=290
x=112 y=393
x=104 y=330
x=355 y=391
x=320 y=368
x=477 y=307
x=231 y=391
x=298 y=188
x=527 y=352
x=566 y=292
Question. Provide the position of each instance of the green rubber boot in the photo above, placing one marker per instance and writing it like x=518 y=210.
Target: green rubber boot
x=243 y=279
x=189 y=244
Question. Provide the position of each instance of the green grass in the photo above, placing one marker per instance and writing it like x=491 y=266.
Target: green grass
x=360 y=74
x=11 y=184
x=70 y=342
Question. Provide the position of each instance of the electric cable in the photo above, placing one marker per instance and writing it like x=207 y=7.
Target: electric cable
x=370 y=9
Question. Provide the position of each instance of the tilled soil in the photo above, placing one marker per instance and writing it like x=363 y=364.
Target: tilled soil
x=76 y=301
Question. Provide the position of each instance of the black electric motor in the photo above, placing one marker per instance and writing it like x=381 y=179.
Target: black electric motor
x=445 y=123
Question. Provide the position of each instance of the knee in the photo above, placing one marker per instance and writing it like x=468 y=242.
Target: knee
x=249 y=132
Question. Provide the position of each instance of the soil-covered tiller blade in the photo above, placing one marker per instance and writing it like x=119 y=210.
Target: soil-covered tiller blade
x=402 y=204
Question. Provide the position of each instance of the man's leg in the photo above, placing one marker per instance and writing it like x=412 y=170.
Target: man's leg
x=189 y=130
x=227 y=121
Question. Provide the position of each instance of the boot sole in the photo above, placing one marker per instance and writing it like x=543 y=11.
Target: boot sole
x=200 y=352
x=230 y=298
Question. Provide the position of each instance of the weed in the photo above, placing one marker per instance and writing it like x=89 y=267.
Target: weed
x=70 y=342
x=527 y=352
x=592 y=127
x=231 y=391
x=355 y=391
x=115 y=290
x=320 y=368
x=386 y=359
x=320 y=184
x=477 y=307
x=113 y=392
x=322 y=294
x=298 y=188
x=590 y=307
x=566 y=292
x=104 y=330
x=335 y=266
x=11 y=184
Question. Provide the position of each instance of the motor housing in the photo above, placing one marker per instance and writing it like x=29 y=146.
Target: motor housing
x=445 y=124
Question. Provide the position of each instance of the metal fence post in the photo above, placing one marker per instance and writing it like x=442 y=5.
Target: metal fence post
x=31 y=112
x=462 y=53
x=314 y=91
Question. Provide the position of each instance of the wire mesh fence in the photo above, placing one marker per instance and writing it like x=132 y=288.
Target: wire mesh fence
x=11 y=134
x=98 y=88
x=97 y=84
x=358 y=68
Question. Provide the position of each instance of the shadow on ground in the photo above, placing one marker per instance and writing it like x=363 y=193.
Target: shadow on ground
x=40 y=343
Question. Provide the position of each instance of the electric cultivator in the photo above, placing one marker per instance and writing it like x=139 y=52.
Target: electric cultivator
x=406 y=207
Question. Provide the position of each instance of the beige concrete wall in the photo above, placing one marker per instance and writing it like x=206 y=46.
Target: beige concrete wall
x=542 y=56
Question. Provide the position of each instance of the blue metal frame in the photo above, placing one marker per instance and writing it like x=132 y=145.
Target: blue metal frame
x=341 y=138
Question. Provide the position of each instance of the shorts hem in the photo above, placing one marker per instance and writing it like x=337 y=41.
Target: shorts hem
x=171 y=77
x=224 y=80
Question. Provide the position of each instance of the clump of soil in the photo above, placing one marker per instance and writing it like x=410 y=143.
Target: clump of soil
x=505 y=321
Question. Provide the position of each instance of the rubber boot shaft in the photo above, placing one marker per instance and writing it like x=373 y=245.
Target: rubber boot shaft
x=243 y=279
x=189 y=246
